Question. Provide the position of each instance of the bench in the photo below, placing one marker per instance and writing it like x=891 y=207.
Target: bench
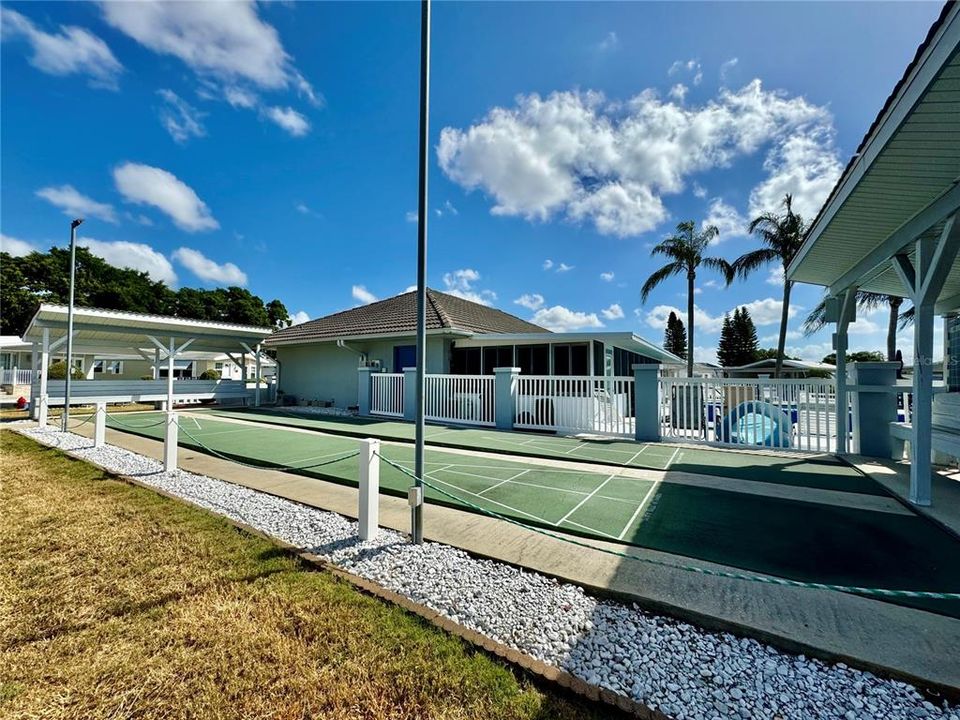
x=945 y=434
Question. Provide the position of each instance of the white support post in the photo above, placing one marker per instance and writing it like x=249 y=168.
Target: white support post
x=256 y=393
x=100 y=425
x=170 y=443
x=171 y=355
x=847 y=311
x=44 y=369
x=921 y=446
x=369 y=511
x=156 y=364
x=243 y=367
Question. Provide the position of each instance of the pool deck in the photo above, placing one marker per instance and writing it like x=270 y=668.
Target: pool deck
x=888 y=639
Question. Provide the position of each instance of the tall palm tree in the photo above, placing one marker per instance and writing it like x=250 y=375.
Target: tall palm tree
x=781 y=237
x=685 y=251
x=866 y=301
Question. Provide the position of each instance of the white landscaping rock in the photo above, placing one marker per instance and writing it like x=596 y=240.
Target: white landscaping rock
x=686 y=672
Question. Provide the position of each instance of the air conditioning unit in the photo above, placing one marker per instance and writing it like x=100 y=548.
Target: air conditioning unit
x=371 y=364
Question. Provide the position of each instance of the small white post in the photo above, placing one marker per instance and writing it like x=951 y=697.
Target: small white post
x=170 y=443
x=100 y=425
x=369 y=515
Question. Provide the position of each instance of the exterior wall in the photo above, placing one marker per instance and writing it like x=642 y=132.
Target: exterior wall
x=325 y=372
x=951 y=356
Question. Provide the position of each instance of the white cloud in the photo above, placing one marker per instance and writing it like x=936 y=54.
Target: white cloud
x=223 y=41
x=531 y=301
x=299 y=317
x=240 y=98
x=135 y=256
x=678 y=92
x=703 y=321
x=727 y=220
x=806 y=166
x=768 y=311
x=563 y=267
x=208 y=270
x=72 y=51
x=362 y=295
x=16 y=247
x=447 y=209
x=609 y=43
x=179 y=118
x=711 y=283
x=139 y=219
x=146 y=185
x=460 y=283
x=614 y=312
x=607 y=276
x=699 y=191
x=560 y=319
x=547 y=264
x=690 y=67
x=75 y=204
x=776 y=276
x=705 y=355
x=774 y=338
x=578 y=156
x=288 y=119
x=412 y=216
x=726 y=68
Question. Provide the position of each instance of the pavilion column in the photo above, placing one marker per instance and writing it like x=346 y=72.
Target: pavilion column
x=924 y=277
x=156 y=364
x=171 y=355
x=44 y=368
x=256 y=393
x=844 y=310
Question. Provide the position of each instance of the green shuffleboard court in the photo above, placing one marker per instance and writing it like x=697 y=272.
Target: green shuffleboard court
x=800 y=540
x=821 y=472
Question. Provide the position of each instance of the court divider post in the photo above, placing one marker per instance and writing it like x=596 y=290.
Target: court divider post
x=369 y=510
x=100 y=424
x=170 y=443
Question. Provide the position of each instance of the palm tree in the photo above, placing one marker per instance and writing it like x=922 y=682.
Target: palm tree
x=781 y=237
x=685 y=251
x=866 y=301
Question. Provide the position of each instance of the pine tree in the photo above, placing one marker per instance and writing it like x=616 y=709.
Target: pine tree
x=726 y=353
x=675 y=336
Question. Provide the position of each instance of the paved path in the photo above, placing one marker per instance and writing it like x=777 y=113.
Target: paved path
x=891 y=639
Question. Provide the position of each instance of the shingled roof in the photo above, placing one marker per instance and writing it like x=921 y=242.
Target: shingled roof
x=398 y=316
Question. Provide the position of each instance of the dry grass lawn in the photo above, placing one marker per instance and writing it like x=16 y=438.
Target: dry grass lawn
x=118 y=603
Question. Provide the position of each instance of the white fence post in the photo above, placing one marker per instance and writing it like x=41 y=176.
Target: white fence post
x=42 y=415
x=369 y=512
x=170 y=443
x=100 y=425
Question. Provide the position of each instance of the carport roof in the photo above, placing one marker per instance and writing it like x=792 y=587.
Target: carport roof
x=101 y=331
x=901 y=184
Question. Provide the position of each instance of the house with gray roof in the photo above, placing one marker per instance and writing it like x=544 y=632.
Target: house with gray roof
x=318 y=360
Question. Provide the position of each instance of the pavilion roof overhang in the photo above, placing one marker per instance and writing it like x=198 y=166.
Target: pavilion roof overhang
x=105 y=331
x=903 y=183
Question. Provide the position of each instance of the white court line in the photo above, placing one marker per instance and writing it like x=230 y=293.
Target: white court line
x=219 y=432
x=589 y=529
x=312 y=457
x=575 y=447
x=670 y=461
x=637 y=511
x=509 y=479
x=636 y=455
x=577 y=506
x=504 y=505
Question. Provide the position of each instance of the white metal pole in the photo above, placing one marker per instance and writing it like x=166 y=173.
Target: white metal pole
x=65 y=418
x=368 y=515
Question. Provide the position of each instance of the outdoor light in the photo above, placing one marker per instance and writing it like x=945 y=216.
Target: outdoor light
x=65 y=418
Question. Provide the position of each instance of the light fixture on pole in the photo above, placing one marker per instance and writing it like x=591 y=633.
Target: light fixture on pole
x=65 y=418
x=416 y=494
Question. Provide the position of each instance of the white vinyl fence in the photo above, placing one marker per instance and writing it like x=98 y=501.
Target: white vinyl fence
x=467 y=399
x=16 y=376
x=601 y=405
x=386 y=394
x=776 y=414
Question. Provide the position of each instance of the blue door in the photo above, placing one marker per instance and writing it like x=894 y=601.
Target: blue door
x=404 y=356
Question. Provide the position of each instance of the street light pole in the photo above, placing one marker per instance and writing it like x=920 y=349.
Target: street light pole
x=65 y=418
x=417 y=509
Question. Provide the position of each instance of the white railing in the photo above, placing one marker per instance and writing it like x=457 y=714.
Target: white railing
x=776 y=414
x=16 y=376
x=466 y=399
x=602 y=405
x=386 y=394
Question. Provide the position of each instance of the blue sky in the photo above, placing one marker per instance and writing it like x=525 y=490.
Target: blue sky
x=274 y=145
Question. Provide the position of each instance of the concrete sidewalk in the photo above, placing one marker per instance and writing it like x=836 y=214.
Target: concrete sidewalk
x=910 y=644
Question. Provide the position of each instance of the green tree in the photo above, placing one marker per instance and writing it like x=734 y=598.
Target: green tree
x=866 y=301
x=278 y=315
x=858 y=356
x=685 y=251
x=771 y=354
x=781 y=236
x=738 y=339
x=675 y=336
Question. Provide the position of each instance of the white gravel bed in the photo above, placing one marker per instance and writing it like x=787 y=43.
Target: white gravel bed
x=684 y=671
x=314 y=410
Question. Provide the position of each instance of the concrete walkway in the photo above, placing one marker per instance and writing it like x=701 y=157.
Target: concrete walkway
x=911 y=644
